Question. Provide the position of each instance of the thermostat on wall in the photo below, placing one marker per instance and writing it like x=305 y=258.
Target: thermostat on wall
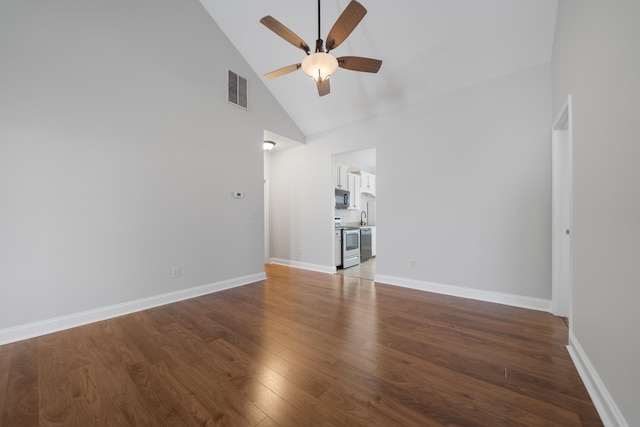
x=238 y=194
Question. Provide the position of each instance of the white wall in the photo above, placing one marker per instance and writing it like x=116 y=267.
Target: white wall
x=119 y=153
x=596 y=59
x=463 y=185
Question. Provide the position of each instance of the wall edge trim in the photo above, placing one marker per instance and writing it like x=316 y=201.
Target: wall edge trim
x=61 y=323
x=303 y=265
x=463 y=292
x=602 y=399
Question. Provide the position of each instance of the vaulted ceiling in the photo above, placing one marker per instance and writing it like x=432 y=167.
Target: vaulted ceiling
x=428 y=48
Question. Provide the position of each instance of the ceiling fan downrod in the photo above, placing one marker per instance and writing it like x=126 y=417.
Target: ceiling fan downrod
x=319 y=42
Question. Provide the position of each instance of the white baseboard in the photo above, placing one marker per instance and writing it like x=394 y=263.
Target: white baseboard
x=602 y=400
x=35 y=329
x=303 y=265
x=459 y=291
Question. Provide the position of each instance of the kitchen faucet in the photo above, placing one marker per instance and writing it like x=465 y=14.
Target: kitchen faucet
x=362 y=220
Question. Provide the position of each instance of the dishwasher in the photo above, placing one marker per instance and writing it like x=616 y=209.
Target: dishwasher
x=365 y=244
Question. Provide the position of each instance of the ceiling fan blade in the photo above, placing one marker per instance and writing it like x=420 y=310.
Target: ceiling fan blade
x=324 y=87
x=345 y=24
x=282 y=71
x=358 y=63
x=274 y=25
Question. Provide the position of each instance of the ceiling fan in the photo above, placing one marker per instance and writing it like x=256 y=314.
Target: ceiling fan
x=320 y=65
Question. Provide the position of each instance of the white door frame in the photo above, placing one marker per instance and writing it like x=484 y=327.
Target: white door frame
x=267 y=222
x=562 y=213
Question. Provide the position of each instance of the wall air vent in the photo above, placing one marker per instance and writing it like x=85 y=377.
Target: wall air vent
x=238 y=90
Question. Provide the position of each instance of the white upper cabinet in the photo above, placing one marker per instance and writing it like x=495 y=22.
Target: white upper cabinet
x=368 y=183
x=342 y=181
x=354 y=191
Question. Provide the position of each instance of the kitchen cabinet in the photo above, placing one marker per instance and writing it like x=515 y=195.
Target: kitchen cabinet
x=354 y=191
x=341 y=176
x=368 y=183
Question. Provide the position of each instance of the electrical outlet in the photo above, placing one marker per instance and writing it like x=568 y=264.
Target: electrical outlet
x=175 y=272
x=412 y=263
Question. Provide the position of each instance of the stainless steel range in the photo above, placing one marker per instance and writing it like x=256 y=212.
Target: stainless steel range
x=349 y=247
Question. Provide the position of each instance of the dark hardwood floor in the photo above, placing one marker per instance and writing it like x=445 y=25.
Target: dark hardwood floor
x=301 y=349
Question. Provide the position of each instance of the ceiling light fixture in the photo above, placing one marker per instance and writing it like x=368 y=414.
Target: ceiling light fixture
x=319 y=66
x=268 y=145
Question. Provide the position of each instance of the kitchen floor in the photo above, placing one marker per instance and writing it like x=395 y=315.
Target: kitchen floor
x=364 y=270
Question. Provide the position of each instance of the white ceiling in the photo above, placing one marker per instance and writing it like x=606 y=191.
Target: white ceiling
x=428 y=47
x=359 y=160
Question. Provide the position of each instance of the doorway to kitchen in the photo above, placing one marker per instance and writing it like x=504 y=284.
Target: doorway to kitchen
x=355 y=175
x=364 y=270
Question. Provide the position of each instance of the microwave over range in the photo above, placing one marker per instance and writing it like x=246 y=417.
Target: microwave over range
x=342 y=199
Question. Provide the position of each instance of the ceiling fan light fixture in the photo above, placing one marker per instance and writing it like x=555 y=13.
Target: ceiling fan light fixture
x=319 y=66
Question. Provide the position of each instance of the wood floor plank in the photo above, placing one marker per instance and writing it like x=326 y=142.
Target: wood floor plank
x=300 y=399
x=200 y=405
x=106 y=393
x=22 y=394
x=5 y=361
x=235 y=321
x=158 y=394
x=308 y=340
x=312 y=381
x=140 y=331
x=55 y=397
x=482 y=360
x=301 y=349
x=365 y=402
x=267 y=422
x=88 y=398
x=355 y=404
x=477 y=401
x=333 y=307
x=205 y=389
x=113 y=345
